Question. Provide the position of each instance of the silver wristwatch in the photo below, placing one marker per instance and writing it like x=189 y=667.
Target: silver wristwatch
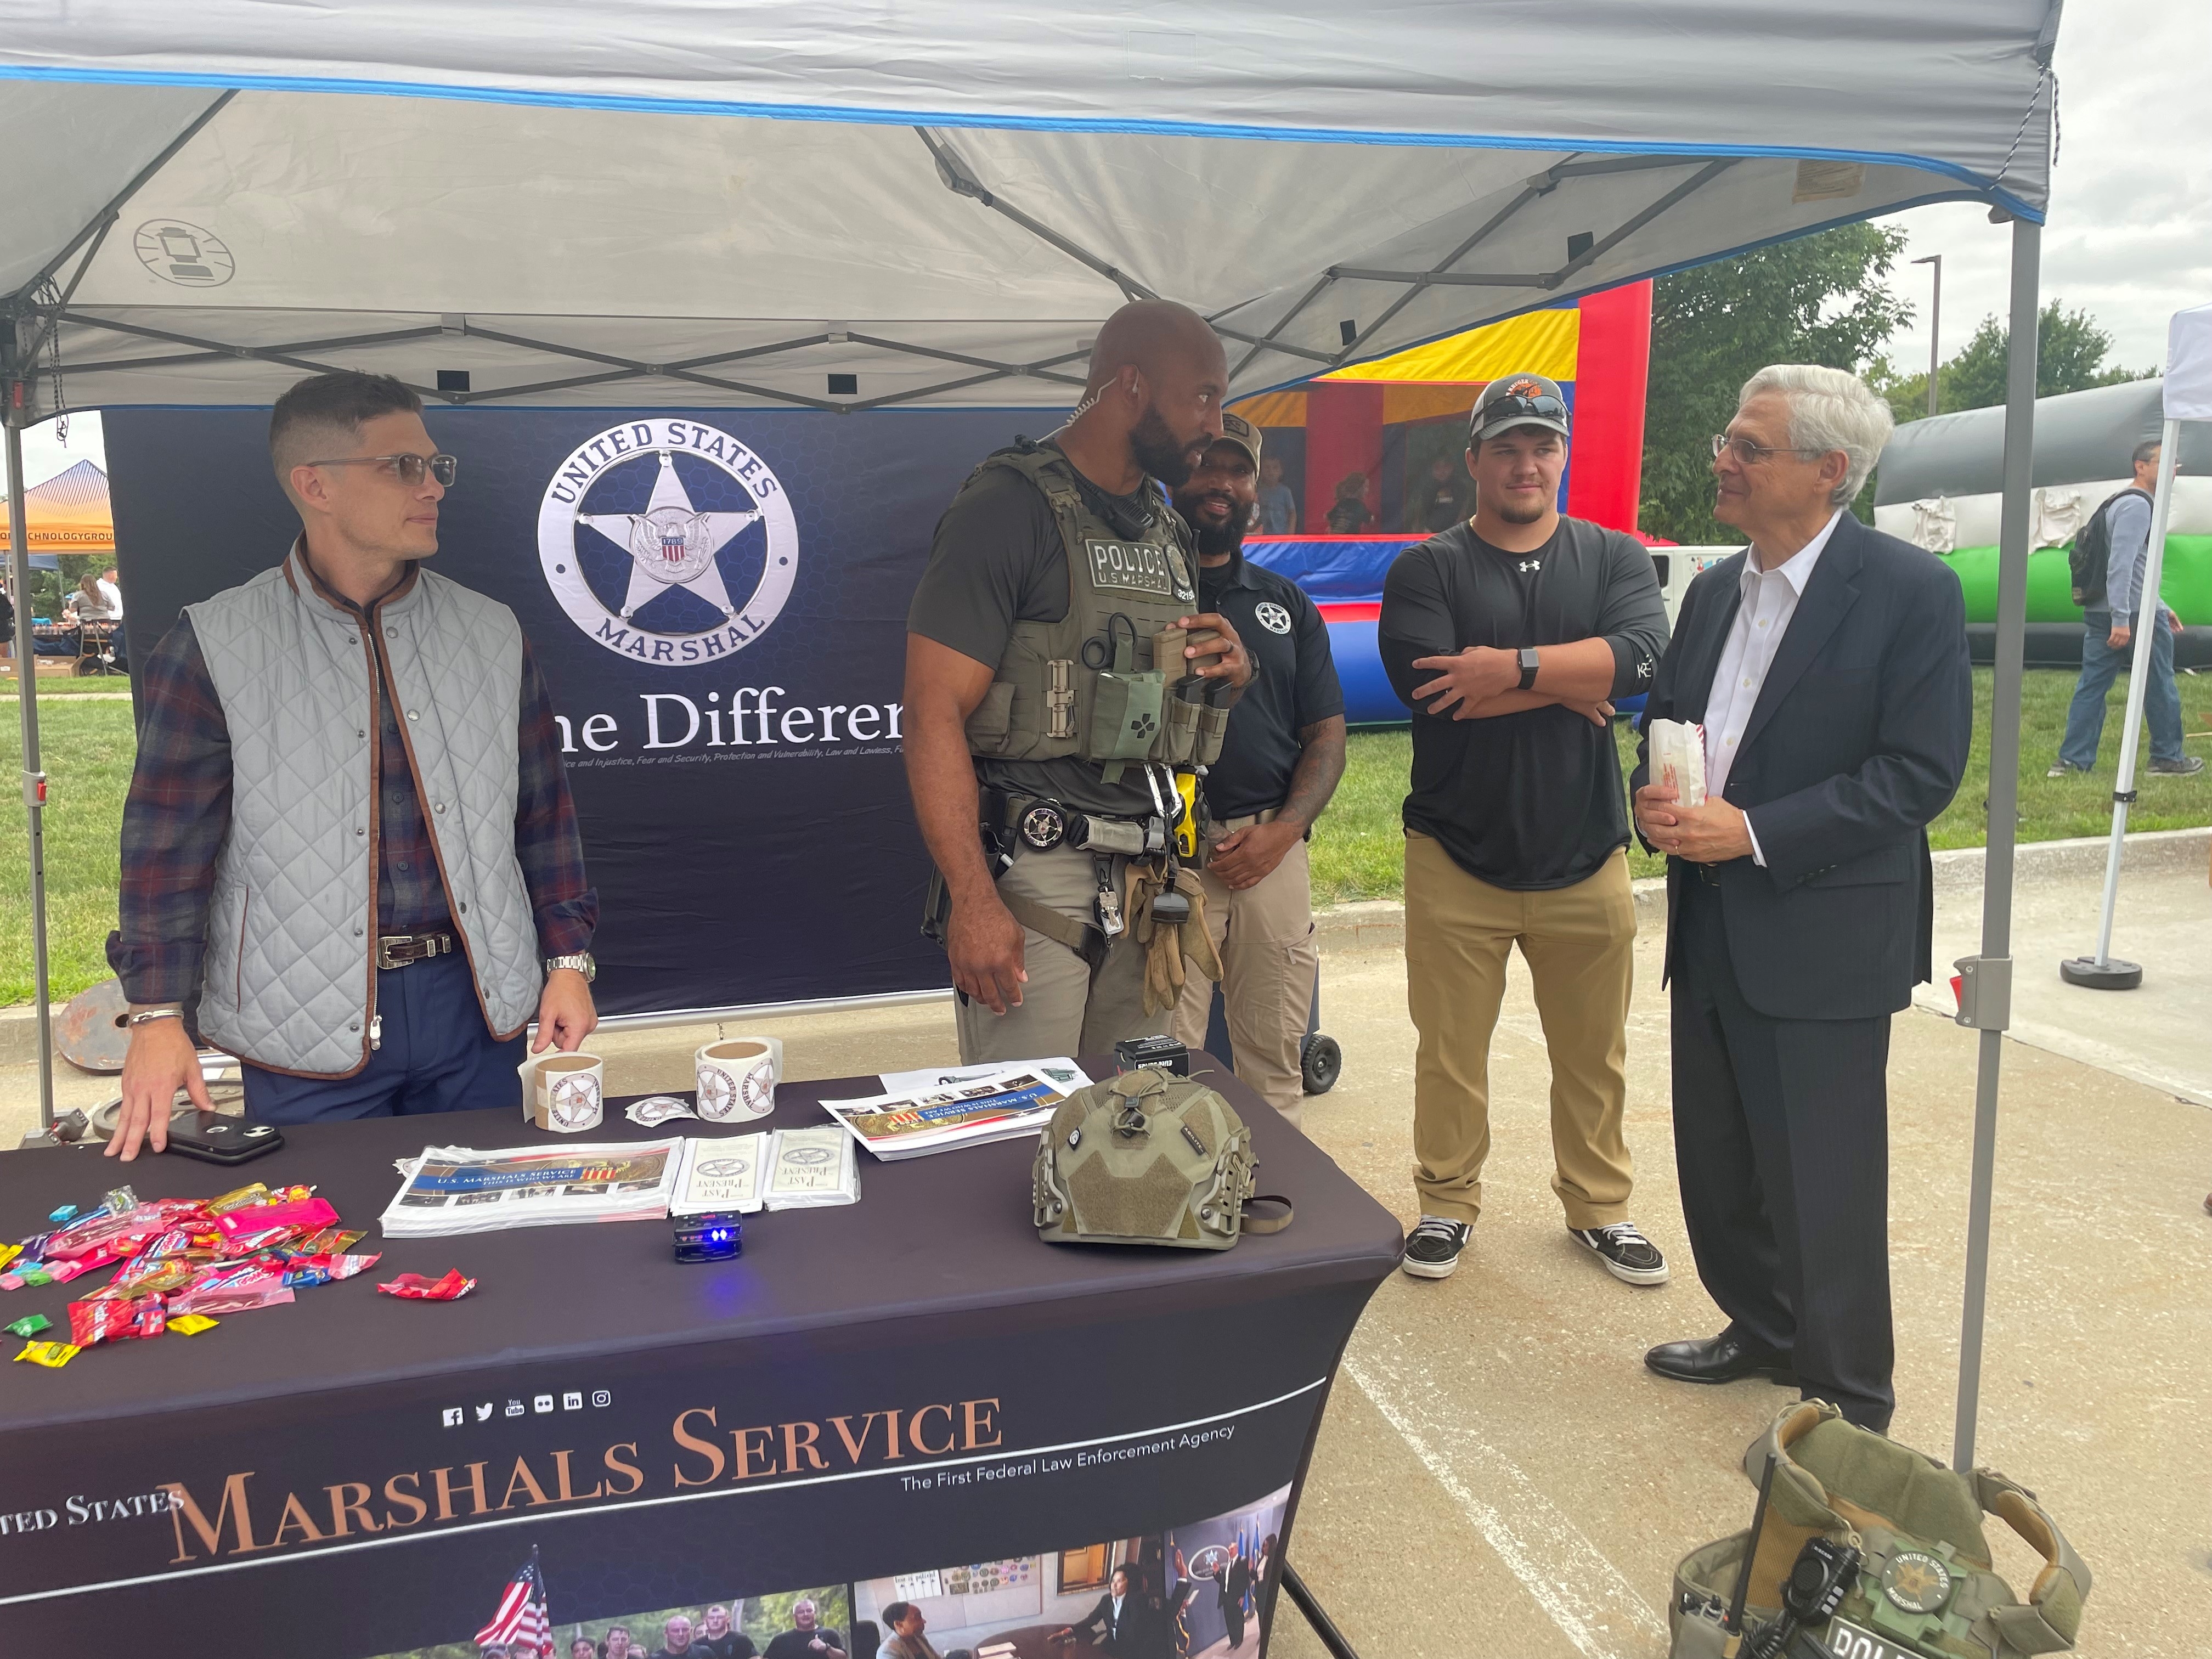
x=582 y=962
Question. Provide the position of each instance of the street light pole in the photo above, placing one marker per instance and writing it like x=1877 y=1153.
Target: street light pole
x=1934 y=326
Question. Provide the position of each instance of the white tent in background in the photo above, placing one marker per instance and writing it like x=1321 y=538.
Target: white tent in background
x=2188 y=397
x=826 y=206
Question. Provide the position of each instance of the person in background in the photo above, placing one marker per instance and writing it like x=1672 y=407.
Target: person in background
x=806 y=1639
x=1443 y=498
x=348 y=832
x=675 y=1638
x=111 y=590
x=2108 y=635
x=906 y=1640
x=1348 y=515
x=583 y=1648
x=88 y=604
x=720 y=1639
x=1279 y=763
x=1279 y=502
x=1507 y=635
x=617 y=1644
x=1827 y=665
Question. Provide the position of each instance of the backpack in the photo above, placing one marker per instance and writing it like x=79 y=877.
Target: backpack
x=2093 y=548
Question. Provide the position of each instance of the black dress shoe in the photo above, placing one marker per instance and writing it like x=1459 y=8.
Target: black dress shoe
x=1724 y=1358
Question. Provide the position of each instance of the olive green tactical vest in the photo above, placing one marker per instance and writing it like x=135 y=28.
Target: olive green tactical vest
x=1088 y=686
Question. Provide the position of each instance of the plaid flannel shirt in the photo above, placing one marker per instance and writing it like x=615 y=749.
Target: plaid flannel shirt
x=178 y=813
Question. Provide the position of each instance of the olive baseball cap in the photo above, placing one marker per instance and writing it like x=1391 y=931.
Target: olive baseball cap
x=1512 y=400
x=1240 y=432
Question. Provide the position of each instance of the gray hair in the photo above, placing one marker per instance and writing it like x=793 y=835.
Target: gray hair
x=1829 y=411
x=2146 y=452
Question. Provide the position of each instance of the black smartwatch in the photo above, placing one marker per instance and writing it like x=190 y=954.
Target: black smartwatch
x=1527 y=666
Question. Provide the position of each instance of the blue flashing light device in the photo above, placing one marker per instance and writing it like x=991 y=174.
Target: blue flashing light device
x=716 y=1237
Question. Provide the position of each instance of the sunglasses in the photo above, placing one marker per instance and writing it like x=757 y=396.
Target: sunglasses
x=410 y=469
x=1542 y=406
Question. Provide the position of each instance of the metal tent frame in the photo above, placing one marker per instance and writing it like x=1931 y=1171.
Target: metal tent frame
x=47 y=332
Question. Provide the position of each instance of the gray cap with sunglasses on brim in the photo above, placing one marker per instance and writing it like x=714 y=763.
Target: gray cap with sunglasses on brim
x=1518 y=400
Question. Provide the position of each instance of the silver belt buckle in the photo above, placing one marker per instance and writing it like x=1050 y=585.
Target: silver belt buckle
x=384 y=956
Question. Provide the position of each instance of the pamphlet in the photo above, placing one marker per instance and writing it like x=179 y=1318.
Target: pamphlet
x=1060 y=1070
x=458 y=1189
x=1678 y=758
x=721 y=1174
x=1000 y=1105
x=809 y=1169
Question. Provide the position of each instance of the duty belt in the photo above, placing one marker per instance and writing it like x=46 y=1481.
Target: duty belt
x=1039 y=823
x=399 y=950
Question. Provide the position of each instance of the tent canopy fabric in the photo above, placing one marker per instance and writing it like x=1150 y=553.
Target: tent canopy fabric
x=2189 y=365
x=939 y=203
x=67 y=513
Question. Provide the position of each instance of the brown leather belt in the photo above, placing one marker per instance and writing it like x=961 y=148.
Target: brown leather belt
x=398 y=949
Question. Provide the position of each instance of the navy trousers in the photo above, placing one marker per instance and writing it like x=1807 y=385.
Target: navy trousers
x=435 y=1056
x=1782 y=1142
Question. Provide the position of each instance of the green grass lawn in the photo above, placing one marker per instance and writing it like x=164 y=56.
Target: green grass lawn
x=1358 y=852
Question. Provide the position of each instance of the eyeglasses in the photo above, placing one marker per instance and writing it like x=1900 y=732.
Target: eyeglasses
x=1748 y=454
x=410 y=469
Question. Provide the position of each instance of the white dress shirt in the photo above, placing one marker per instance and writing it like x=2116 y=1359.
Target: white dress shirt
x=113 y=595
x=1769 y=601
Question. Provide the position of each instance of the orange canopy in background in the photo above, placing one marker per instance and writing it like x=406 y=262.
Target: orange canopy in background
x=67 y=514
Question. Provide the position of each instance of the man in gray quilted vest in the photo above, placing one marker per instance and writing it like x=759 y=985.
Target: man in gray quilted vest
x=349 y=854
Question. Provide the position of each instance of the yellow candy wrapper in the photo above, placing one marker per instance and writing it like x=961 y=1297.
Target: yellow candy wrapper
x=192 y=1324
x=52 y=1355
x=8 y=1252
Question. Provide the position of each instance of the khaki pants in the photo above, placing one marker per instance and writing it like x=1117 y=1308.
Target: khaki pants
x=1268 y=954
x=1579 y=944
x=1066 y=1008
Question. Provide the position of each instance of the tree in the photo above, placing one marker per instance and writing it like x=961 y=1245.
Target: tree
x=2070 y=356
x=1818 y=298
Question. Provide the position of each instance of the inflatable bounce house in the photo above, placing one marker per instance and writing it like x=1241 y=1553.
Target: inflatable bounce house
x=1938 y=481
x=1367 y=461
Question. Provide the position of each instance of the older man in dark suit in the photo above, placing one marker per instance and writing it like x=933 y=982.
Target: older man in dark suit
x=1827 y=665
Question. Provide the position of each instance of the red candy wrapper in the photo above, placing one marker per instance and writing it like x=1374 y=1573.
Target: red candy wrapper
x=103 y=1322
x=415 y=1287
x=305 y=1216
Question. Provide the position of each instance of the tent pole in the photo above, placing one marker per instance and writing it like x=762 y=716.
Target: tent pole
x=2147 y=621
x=34 y=781
x=1989 y=1008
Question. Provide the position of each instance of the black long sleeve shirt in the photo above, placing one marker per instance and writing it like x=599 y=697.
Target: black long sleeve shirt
x=1533 y=800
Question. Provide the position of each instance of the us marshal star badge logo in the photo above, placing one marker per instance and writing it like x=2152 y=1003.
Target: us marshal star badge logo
x=1272 y=617
x=668 y=541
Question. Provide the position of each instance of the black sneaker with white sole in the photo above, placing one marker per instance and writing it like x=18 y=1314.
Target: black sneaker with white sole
x=2187 y=767
x=1433 y=1248
x=1628 y=1254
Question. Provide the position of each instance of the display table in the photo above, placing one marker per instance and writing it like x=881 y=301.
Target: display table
x=884 y=1389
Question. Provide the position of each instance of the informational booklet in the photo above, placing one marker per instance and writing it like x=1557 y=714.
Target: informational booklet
x=460 y=1189
x=1060 y=1070
x=721 y=1173
x=810 y=1168
x=1000 y=1105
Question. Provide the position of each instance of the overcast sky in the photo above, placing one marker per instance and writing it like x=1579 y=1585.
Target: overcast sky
x=2131 y=231
x=2130 y=237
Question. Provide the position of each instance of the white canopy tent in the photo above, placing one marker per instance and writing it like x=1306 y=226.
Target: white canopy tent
x=943 y=203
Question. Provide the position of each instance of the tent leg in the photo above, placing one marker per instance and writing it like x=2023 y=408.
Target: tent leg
x=1990 y=1011
x=34 y=781
x=2147 y=621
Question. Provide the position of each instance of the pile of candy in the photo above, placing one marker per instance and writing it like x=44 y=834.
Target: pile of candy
x=183 y=1261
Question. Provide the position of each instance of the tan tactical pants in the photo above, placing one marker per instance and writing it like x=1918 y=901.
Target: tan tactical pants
x=1579 y=944
x=1066 y=1007
x=1269 y=952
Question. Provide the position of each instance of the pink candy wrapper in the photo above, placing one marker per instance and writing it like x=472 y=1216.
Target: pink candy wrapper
x=417 y=1288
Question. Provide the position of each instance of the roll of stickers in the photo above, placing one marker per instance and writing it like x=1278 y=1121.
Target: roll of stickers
x=738 y=1077
x=564 y=1093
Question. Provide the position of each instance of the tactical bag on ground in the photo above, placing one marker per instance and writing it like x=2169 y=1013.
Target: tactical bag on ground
x=1148 y=1158
x=2093 y=547
x=1927 y=1588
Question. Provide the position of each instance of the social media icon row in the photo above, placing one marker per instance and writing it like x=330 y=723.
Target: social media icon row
x=572 y=1400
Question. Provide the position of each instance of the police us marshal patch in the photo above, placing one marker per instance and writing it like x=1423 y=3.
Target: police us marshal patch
x=1917 y=1582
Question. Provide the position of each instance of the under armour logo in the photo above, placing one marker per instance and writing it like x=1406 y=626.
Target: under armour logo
x=1530 y=564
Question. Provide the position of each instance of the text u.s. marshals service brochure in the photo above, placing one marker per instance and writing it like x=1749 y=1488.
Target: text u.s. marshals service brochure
x=1059 y=1070
x=458 y=1189
x=998 y=1106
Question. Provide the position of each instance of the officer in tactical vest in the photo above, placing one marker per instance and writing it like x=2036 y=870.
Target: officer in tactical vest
x=1061 y=686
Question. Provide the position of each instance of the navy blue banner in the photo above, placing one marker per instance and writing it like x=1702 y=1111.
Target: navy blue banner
x=717 y=601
